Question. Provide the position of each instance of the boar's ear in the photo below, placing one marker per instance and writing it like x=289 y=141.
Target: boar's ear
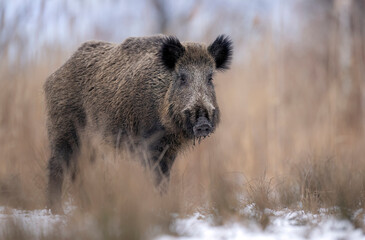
x=221 y=50
x=171 y=51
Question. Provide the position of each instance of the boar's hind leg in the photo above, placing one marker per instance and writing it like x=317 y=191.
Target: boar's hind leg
x=62 y=149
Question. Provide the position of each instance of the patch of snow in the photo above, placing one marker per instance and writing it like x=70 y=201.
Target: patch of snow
x=284 y=224
x=38 y=222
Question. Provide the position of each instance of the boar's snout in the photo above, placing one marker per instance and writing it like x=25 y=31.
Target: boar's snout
x=199 y=121
x=202 y=127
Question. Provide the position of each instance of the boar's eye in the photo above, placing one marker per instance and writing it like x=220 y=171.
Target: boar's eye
x=183 y=79
x=210 y=79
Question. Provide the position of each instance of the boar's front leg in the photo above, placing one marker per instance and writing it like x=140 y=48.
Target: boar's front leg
x=162 y=157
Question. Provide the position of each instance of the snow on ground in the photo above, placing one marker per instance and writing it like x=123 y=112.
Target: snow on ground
x=38 y=222
x=283 y=225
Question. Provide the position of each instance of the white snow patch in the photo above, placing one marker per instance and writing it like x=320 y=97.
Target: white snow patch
x=38 y=222
x=284 y=224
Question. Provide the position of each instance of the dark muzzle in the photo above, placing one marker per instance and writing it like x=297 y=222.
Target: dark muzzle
x=202 y=127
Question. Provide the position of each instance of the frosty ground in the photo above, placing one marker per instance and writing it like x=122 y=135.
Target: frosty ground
x=284 y=224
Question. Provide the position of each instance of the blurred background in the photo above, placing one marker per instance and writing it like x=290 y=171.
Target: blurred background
x=292 y=103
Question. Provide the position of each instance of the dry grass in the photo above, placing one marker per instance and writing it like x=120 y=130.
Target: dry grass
x=285 y=141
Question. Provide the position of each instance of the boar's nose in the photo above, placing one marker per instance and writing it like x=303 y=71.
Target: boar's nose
x=202 y=127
